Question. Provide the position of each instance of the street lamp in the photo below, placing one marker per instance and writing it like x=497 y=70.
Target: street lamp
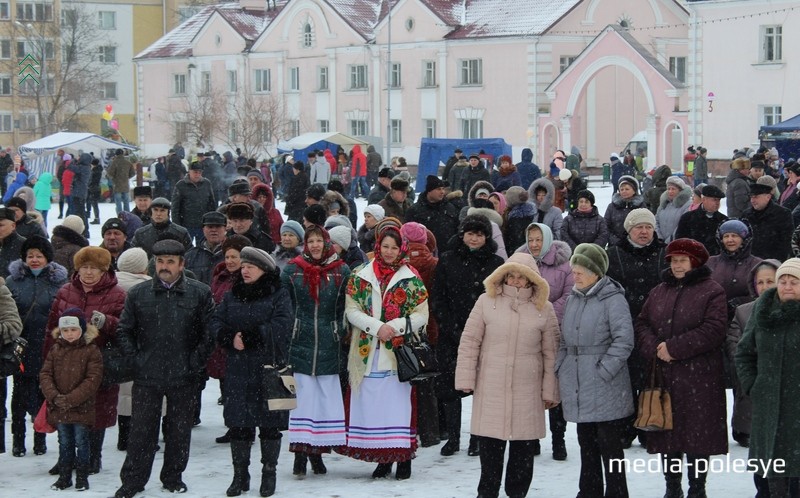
x=43 y=76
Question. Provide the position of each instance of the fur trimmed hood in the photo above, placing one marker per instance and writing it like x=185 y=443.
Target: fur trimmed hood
x=90 y=335
x=549 y=197
x=526 y=265
x=63 y=235
x=456 y=194
x=491 y=214
x=477 y=186
x=332 y=196
x=684 y=196
x=54 y=272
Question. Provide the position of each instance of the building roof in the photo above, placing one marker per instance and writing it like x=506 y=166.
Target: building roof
x=498 y=18
x=646 y=55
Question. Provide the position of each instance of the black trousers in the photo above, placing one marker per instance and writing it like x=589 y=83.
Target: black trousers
x=519 y=470
x=26 y=399
x=79 y=209
x=143 y=439
x=784 y=487
x=600 y=442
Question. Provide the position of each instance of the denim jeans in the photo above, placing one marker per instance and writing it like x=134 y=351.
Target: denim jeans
x=70 y=437
x=355 y=182
x=122 y=201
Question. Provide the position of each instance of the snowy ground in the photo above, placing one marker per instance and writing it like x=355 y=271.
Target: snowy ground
x=209 y=471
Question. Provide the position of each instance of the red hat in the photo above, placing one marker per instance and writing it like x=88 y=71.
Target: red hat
x=696 y=251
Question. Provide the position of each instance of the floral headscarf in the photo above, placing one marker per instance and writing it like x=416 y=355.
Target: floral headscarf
x=383 y=270
x=314 y=270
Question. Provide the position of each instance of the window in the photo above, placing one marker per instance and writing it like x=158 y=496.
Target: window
x=564 y=61
x=294 y=127
x=358 y=77
x=322 y=78
x=5 y=85
x=232 y=86
x=471 y=71
x=107 y=19
x=27 y=121
x=429 y=126
x=394 y=76
x=471 y=128
x=5 y=49
x=308 y=35
x=108 y=90
x=233 y=134
x=179 y=84
x=69 y=54
x=44 y=87
x=186 y=12
x=108 y=55
x=5 y=10
x=265 y=130
x=205 y=82
x=34 y=11
x=677 y=66
x=358 y=126
x=5 y=123
x=770 y=115
x=324 y=126
x=294 y=79
x=263 y=80
x=396 y=127
x=428 y=73
x=181 y=131
x=25 y=47
x=771 y=43
x=69 y=18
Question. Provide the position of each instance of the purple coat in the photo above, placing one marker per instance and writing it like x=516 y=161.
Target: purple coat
x=690 y=315
x=554 y=268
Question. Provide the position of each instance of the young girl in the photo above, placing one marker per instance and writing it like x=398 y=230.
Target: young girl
x=373 y=213
x=69 y=380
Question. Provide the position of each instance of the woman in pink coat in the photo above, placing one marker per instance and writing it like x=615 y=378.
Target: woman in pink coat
x=507 y=358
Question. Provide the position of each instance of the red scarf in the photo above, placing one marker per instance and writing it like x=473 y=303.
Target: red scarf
x=315 y=270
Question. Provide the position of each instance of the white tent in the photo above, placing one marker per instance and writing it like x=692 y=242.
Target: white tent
x=63 y=139
x=308 y=139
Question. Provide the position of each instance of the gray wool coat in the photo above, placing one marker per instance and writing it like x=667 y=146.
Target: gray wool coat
x=669 y=213
x=591 y=366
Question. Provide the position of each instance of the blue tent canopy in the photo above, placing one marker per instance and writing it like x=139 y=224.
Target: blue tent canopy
x=436 y=150
x=300 y=146
x=789 y=125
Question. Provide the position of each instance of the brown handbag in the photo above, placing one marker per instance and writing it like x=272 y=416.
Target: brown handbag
x=655 y=405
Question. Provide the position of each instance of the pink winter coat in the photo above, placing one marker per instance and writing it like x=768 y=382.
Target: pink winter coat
x=507 y=355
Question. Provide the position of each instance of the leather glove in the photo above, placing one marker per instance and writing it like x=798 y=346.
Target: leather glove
x=61 y=401
x=98 y=319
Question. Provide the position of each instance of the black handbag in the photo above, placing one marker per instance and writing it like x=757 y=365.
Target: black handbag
x=118 y=368
x=11 y=357
x=416 y=359
x=278 y=384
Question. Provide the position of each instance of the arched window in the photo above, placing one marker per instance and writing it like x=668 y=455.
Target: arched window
x=308 y=35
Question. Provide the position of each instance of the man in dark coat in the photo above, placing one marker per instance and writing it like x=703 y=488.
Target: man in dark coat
x=240 y=217
x=381 y=188
x=164 y=326
x=202 y=259
x=27 y=225
x=702 y=223
x=374 y=162
x=296 y=193
x=115 y=239
x=142 y=197
x=6 y=164
x=191 y=198
x=451 y=161
x=10 y=240
x=396 y=202
x=475 y=173
x=772 y=224
x=175 y=171
x=434 y=212
x=160 y=225
x=82 y=169
x=738 y=181
x=528 y=170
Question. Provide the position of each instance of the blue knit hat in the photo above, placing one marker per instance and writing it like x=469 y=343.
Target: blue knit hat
x=295 y=228
x=67 y=319
x=734 y=226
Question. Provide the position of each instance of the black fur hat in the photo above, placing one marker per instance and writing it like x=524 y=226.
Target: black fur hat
x=40 y=243
x=476 y=223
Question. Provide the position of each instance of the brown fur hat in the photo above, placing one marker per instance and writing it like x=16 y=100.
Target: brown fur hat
x=96 y=256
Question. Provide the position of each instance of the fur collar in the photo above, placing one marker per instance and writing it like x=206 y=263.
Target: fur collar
x=53 y=272
x=69 y=236
x=332 y=196
x=90 y=335
x=774 y=314
x=682 y=198
x=634 y=202
x=523 y=210
x=477 y=186
x=549 y=196
x=493 y=215
x=494 y=282
x=580 y=214
x=252 y=292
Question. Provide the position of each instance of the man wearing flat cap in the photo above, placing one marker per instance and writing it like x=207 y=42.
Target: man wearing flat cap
x=191 y=198
x=396 y=202
x=164 y=327
x=202 y=259
x=10 y=240
x=434 y=211
x=148 y=235
x=772 y=224
x=240 y=191
x=240 y=217
x=381 y=187
x=702 y=223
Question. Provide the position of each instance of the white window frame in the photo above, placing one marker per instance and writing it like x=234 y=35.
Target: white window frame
x=677 y=66
x=34 y=11
x=108 y=90
x=358 y=127
x=233 y=131
x=770 y=115
x=429 y=125
x=294 y=127
x=179 y=84
x=294 y=79
x=265 y=131
x=470 y=72
x=262 y=80
x=103 y=54
x=205 y=82
x=564 y=62
x=357 y=77
x=5 y=49
x=471 y=128
x=322 y=78
x=429 y=74
x=396 y=75
x=5 y=10
x=232 y=81
x=308 y=35
x=771 y=38
x=28 y=121
x=396 y=131
x=106 y=19
x=25 y=47
x=5 y=85
x=181 y=131
x=6 y=122
x=323 y=125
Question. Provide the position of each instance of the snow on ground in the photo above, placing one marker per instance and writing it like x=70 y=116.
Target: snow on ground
x=209 y=471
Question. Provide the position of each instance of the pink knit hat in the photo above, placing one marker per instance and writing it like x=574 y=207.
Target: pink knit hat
x=414 y=232
x=502 y=198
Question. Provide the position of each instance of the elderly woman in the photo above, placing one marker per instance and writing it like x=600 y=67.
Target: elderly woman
x=731 y=268
x=584 y=225
x=95 y=291
x=291 y=243
x=592 y=370
x=623 y=201
x=385 y=299
x=33 y=281
x=682 y=328
x=764 y=364
x=10 y=329
x=253 y=323
x=507 y=357
x=674 y=202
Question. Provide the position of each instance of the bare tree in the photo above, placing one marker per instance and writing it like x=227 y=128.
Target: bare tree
x=254 y=122
x=203 y=116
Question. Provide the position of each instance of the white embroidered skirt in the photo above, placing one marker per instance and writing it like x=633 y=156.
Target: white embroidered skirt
x=318 y=419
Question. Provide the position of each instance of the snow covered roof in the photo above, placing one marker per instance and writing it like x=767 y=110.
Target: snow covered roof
x=495 y=18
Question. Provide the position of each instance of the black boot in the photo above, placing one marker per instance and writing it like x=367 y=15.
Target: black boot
x=124 y=424
x=225 y=438
x=240 y=456
x=96 y=438
x=39 y=443
x=697 y=480
x=382 y=470
x=452 y=412
x=18 y=444
x=300 y=462
x=537 y=447
x=317 y=465
x=559 y=447
x=2 y=435
x=474 y=446
x=403 y=470
x=64 y=479
x=81 y=479
x=270 y=450
x=674 y=489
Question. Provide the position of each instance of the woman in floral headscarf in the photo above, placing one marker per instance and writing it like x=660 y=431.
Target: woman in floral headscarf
x=384 y=298
x=316 y=283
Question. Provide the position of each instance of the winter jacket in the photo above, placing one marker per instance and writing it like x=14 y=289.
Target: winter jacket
x=554 y=267
x=670 y=212
x=765 y=367
x=34 y=296
x=377 y=194
x=263 y=314
x=456 y=174
x=282 y=256
x=637 y=269
x=229 y=168
x=700 y=169
x=546 y=212
x=652 y=197
x=43 y=190
x=108 y=298
x=73 y=370
x=82 y=168
x=10 y=248
x=497 y=233
x=732 y=271
x=502 y=182
x=472 y=175
x=258 y=238
x=737 y=197
x=507 y=357
x=620 y=169
x=28 y=225
x=592 y=368
x=789 y=198
x=690 y=316
x=166 y=330
x=66 y=181
x=296 y=197
x=699 y=226
x=440 y=218
x=201 y=260
x=222 y=281
x=528 y=170
x=518 y=219
x=374 y=159
x=318 y=328
x=190 y=201
x=772 y=231
x=573 y=187
x=273 y=215
x=10 y=323
x=120 y=171
x=580 y=227
x=366 y=238
x=616 y=212
x=19 y=181
x=320 y=172
x=359 y=162
x=94 y=181
x=422 y=260
x=148 y=235
x=175 y=169
x=395 y=209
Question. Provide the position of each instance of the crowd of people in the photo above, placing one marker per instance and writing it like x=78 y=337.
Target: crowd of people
x=536 y=305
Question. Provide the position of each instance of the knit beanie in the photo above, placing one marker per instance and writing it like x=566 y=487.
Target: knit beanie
x=637 y=217
x=789 y=267
x=74 y=223
x=390 y=221
x=586 y=194
x=295 y=228
x=476 y=223
x=341 y=235
x=515 y=196
x=19 y=203
x=734 y=226
x=315 y=214
x=134 y=260
x=433 y=182
x=630 y=181
x=258 y=257
x=676 y=182
x=41 y=244
x=592 y=257
x=337 y=220
x=72 y=317
x=414 y=232
x=376 y=210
